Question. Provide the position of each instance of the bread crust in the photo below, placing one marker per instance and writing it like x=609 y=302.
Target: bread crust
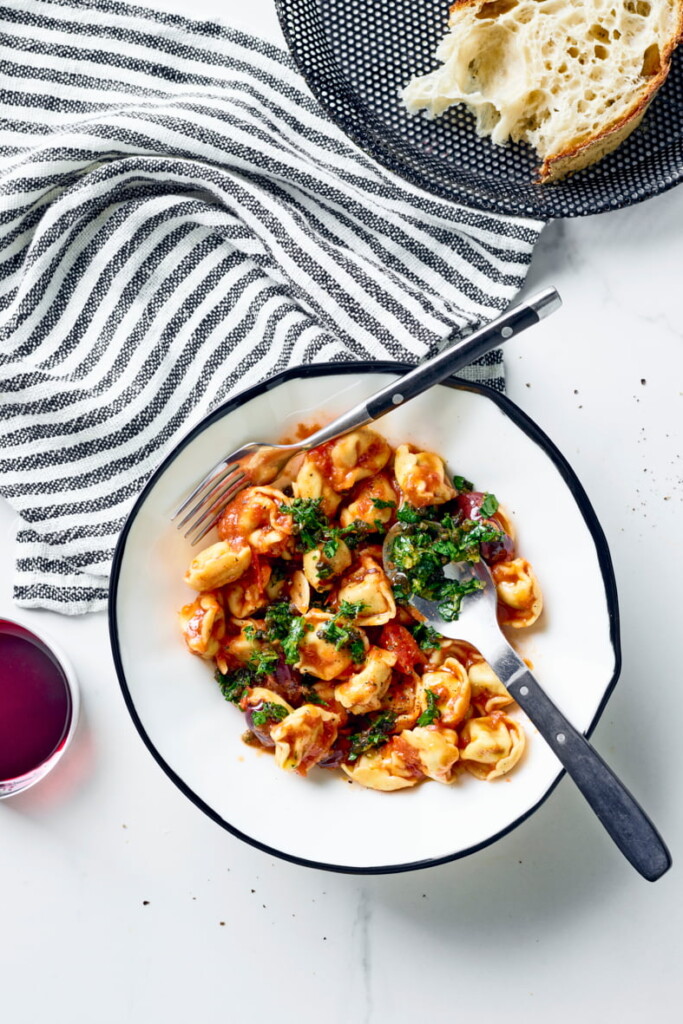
x=576 y=158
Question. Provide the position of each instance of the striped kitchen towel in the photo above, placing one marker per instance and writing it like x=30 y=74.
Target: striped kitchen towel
x=178 y=220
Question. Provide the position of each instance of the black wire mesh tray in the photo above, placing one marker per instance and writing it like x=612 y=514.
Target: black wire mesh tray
x=356 y=55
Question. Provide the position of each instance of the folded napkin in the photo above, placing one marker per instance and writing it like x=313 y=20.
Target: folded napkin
x=178 y=220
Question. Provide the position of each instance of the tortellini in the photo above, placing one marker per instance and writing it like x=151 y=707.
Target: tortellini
x=430 y=751
x=368 y=585
x=203 y=625
x=312 y=485
x=304 y=737
x=383 y=769
x=450 y=685
x=257 y=516
x=329 y=663
x=351 y=458
x=488 y=692
x=364 y=690
x=404 y=700
x=373 y=501
x=217 y=565
x=491 y=745
x=518 y=590
x=318 y=656
x=320 y=568
x=244 y=644
x=422 y=477
x=246 y=595
x=300 y=592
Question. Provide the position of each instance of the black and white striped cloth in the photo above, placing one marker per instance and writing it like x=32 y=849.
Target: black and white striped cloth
x=178 y=220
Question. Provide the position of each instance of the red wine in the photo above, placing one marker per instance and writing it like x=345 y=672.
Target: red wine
x=35 y=702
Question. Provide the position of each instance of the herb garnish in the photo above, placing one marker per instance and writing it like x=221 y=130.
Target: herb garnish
x=381 y=503
x=451 y=595
x=312 y=696
x=427 y=638
x=287 y=629
x=251 y=633
x=350 y=609
x=263 y=661
x=314 y=529
x=290 y=645
x=341 y=634
x=310 y=520
x=489 y=505
x=410 y=514
x=461 y=484
x=283 y=628
x=431 y=712
x=269 y=711
x=233 y=684
x=278 y=619
x=420 y=555
x=375 y=735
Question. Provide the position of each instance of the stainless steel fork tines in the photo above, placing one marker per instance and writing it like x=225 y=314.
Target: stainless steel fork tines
x=261 y=463
x=251 y=464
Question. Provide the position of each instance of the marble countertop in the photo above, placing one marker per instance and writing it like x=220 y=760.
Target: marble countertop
x=121 y=902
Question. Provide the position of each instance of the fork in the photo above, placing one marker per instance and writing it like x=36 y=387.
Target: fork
x=623 y=818
x=261 y=463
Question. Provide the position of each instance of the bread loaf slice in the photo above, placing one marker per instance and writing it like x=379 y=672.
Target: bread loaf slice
x=572 y=78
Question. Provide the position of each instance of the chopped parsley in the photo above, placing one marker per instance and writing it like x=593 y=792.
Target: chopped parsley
x=339 y=632
x=489 y=505
x=278 y=620
x=431 y=712
x=268 y=711
x=451 y=594
x=427 y=638
x=251 y=633
x=263 y=661
x=461 y=484
x=410 y=514
x=329 y=550
x=312 y=696
x=381 y=503
x=314 y=529
x=419 y=556
x=375 y=735
x=309 y=519
x=233 y=684
x=350 y=609
x=286 y=628
x=290 y=645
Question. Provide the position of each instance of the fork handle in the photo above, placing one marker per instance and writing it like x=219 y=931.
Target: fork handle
x=625 y=820
x=436 y=369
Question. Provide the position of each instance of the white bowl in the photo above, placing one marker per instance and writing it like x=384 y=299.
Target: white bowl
x=324 y=820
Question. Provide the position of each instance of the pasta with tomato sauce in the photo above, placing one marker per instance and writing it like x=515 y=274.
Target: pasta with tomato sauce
x=329 y=662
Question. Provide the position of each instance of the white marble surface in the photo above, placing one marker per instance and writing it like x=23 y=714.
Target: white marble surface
x=120 y=902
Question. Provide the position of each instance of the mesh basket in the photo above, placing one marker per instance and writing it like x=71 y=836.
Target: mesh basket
x=356 y=55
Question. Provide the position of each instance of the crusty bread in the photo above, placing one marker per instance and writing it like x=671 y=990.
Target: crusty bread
x=571 y=77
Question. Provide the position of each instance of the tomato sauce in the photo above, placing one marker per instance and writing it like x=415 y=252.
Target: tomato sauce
x=322 y=458
x=402 y=643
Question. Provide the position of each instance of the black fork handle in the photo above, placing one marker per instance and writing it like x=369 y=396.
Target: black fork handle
x=436 y=369
x=622 y=816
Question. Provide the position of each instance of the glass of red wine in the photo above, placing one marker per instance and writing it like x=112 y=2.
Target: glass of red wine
x=38 y=707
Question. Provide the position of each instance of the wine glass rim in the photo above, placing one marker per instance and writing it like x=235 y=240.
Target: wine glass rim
x=23 y=782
